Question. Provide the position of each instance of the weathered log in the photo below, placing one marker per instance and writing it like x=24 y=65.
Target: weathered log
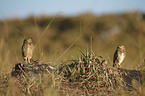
x=129 y=75
x=36 y=68
x=33 y=69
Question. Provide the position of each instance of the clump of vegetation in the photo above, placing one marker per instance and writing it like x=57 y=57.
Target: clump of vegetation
x=90 y=75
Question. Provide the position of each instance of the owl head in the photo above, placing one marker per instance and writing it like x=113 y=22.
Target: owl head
x=121 y=47
x=27 y=41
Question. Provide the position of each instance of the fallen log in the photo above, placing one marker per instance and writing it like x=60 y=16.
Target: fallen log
x=31 y=69
x=36 y=68
x=129 y=75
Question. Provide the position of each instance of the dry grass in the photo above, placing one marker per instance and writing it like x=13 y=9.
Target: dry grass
x=89 y=74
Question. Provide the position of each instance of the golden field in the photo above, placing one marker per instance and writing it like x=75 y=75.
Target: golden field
x=59 y=39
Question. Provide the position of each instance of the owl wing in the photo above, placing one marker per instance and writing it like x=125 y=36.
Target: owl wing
x=24 y=50
x=32 y=47
x=115 y=58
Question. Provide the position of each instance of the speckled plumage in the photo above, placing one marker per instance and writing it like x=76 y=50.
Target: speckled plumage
x=119 y=55
x=27 y=50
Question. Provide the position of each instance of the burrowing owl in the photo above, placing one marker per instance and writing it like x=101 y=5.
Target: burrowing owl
x=27 y=50
x=119 y=55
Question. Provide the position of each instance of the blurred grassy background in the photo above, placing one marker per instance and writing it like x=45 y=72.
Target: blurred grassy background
x=106 y=31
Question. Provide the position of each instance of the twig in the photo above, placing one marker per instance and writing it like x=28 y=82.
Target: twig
x=23 y=72
x=48 y=71
x=44 y=31
x=69 y=47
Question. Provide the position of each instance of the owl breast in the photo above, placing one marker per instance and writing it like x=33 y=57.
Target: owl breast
x=121 y=58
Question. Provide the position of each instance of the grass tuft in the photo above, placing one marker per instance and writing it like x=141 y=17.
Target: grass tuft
x=90 y=75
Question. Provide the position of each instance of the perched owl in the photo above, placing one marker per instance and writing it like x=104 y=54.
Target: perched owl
x=119 y=55
x=27 y=50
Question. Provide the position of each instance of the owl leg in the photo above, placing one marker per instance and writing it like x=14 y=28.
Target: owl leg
x=114 y=64
x=28 y=60
x=119 y=66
